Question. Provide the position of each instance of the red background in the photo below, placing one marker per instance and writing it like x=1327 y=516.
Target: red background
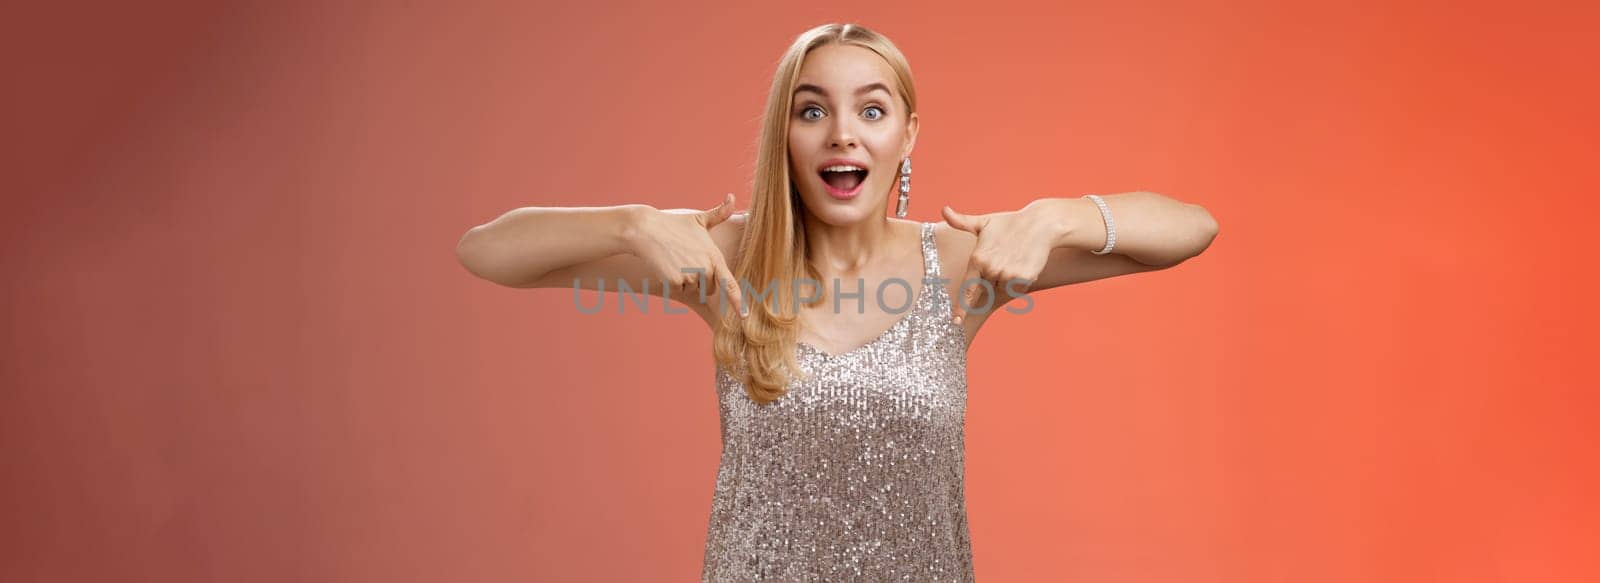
x=238 y=346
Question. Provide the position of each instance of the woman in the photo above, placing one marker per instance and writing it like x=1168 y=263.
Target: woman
x=842 y=387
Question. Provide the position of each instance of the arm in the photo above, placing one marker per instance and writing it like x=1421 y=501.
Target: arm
x=1050 y=243
x=595 y=247
x=1152 y=229
x=523 y=247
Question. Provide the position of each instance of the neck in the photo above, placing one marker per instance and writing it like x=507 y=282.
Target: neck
x=846 y=249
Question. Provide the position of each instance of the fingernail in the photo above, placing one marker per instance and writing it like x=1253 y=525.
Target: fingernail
x=958 y=319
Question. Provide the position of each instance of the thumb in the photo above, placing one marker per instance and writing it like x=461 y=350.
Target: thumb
x=966 y=223
x=718 y=213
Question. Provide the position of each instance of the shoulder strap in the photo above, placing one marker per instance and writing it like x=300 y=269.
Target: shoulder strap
x=930 y=253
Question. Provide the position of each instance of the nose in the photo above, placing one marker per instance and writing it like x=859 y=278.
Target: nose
x=841 y=135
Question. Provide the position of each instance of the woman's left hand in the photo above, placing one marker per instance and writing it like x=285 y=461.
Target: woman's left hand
x=1011 y=252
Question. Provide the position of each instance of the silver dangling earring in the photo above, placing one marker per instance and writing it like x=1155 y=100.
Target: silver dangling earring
x=905 y=188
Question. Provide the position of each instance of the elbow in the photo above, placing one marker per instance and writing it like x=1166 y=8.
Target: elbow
x=1208 y=227
x=1204 y=228
x=466 y=250
x=476 y=252
x=472 y=255
x=1205 y=232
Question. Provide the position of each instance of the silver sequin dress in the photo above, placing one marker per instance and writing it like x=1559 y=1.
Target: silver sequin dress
x=856 y=473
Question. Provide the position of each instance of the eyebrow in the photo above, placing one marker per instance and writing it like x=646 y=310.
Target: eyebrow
x=864 y=89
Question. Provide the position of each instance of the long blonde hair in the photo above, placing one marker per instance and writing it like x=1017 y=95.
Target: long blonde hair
x=760 y=349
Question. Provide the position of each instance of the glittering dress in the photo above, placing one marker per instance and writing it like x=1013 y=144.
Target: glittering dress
x=856 y=473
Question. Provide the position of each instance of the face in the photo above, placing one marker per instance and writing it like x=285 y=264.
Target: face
x=848 y=111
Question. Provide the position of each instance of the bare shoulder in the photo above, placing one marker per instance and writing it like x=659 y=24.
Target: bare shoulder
x=955 y=250
x=729 y=236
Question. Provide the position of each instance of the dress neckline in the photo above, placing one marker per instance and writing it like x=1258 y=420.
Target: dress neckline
x=922 y=290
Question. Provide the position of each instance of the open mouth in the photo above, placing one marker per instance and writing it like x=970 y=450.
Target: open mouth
x=844 y=180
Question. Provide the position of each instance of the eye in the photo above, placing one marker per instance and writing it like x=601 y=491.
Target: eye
x=880 y=115
x=808 y=110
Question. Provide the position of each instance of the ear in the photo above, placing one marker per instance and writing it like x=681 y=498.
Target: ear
x=911 y=135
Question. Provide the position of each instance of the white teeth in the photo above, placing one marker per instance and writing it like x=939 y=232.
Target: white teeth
x=842 y=168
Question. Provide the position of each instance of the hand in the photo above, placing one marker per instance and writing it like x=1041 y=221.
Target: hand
x=674 y=240
x=1012 y=247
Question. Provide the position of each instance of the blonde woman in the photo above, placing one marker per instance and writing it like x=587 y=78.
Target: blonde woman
x=840 y=334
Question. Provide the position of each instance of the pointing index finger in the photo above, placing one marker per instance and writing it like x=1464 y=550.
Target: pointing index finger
x=730 y=286
x=964 y=294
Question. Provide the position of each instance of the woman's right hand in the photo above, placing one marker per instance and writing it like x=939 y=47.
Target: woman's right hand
x=676 y=242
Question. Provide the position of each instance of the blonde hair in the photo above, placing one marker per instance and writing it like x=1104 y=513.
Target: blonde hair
x=759 y=349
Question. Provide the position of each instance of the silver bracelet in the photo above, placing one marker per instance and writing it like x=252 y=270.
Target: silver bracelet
x=1111 y=226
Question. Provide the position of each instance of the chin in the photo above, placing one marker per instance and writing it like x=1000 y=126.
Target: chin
x=837 y=212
